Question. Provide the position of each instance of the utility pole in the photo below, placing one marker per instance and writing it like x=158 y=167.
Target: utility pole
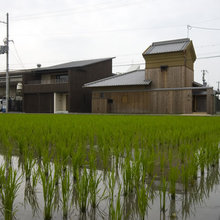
x=7 y=62
x=5 y=49
x=218 y=86
x=188 y=29
x=203 y=77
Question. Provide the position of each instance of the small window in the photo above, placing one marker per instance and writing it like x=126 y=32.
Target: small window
x=101 y=95
x=110 y=101
x=62 y=78
x=163 y=68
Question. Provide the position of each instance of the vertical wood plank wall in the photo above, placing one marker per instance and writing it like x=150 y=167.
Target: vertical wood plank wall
x=174 y=77
x=149 y=102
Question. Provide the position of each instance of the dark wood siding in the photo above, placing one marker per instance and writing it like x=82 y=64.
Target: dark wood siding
x=39 y=103
x=80 y=99
x=31 y=103
x=199 y=103
x=46 y=88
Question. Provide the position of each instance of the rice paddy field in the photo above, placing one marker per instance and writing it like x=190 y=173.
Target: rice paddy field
x=109 y=167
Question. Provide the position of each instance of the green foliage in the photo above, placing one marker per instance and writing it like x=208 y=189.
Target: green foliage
x=66 y=191
x=116 y=210
x=82 y=189
x=9 y=186
x=95 y=196
x=48 y=184
x=64 y=154
x=143 y=197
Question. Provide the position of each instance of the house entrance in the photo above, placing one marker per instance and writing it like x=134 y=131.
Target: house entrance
x=60 y=103
x=199 y=103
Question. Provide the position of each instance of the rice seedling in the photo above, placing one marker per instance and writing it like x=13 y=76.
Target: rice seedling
x=129 y=149
x=163 y=190
x=77 y=158
x=57 y=170
x=82 y=190
x=66 y=191
x=111 y=184
x=10 y=183
x=30 y=195
x=29 y=163
x=143 y=198
x=150 y=163
x=173 y=176
x=105 y=156
x=202 y=160
x=128 y=184
x=96 y=196
x=137 y=170
x=48 y=185
x=116 y=210
x=162 y=162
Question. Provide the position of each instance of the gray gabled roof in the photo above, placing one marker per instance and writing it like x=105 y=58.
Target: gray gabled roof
x=74 y=64
x=126 y=79
x=168 y=46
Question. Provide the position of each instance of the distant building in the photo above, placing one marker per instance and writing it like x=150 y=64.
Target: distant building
x=15 y=78
x=58 y=88
x=15 y=99
x=166 y=86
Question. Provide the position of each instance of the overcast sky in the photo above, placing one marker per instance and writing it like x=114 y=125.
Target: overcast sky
x=50 y=32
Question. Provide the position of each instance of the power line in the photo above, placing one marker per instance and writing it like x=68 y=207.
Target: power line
x=208 y=45
x=126 y=64
x=81 y=33
x=209 y=57
x=17 y=55
x=203 y=28
x=104 y=5
x=189 y=27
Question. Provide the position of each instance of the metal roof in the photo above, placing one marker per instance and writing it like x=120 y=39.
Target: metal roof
x=168 y=46
x=126 y=79
x=74 y=64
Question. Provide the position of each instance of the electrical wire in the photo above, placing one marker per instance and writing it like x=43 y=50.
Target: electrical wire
x=128 y=64
x=209 y=57
x=104 y=5
x=203 y=28
x=138 y=63
x=18 y=56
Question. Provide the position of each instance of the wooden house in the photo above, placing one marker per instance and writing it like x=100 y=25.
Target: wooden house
x=166 y=86
x=59 y=88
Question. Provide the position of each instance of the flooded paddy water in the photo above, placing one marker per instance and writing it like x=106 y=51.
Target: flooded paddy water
x=102 y=167
x=200 y=201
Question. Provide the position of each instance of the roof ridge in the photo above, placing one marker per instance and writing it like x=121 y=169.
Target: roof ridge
x=171 y=41
x=87 y=60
